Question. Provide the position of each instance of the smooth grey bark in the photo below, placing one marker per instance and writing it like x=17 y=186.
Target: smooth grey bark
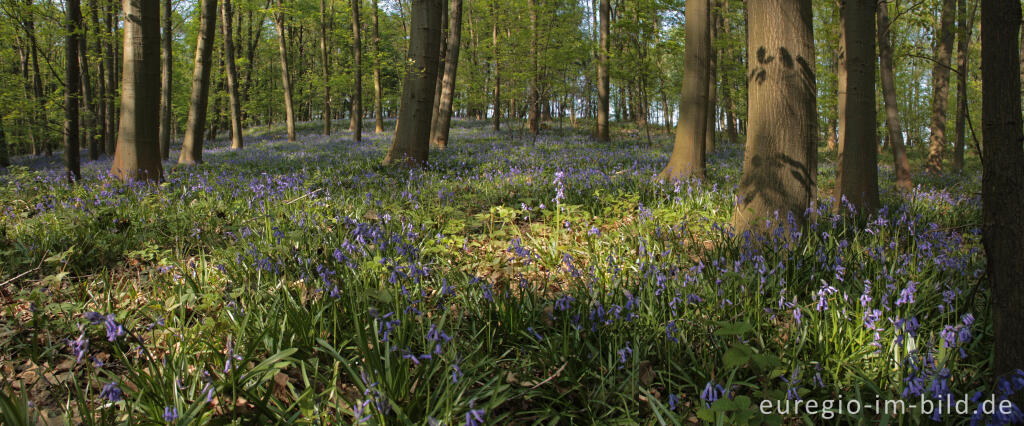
x=286 y=80
x=857 y=177
x=325 y=68
x=688 y=154
x=443 y=115
x=602 y=72
x=356 y=124
x=901 y=165
x=411 y=145
x=780 y=163
x=166 y=81
x=137 y=155
x=235 y=106
x=192 y=145
x=72 y=88
x=378 y=108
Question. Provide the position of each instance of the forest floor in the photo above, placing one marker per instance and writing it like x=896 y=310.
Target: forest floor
x=514 y=280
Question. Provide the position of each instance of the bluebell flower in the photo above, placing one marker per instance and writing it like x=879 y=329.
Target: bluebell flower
x=111 y=392
x=170 y=414
x=474 y=417
x=624 y=352
x=535 y=334
x=673 y=401
x=114 y=330
x=711 y=393
x=94 y=318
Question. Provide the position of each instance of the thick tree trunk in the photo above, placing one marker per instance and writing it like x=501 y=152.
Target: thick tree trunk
x=901 y=165
x=965 y=24
x=72 y=88
x=138 y=146
x=497 y=68
x=38 y=134
x=357 y=77
x=286 y=80
x=443 y=115
x=780 y=165
x=602 y=72
x=940 y=88
x=688 y=156
x=111 y=124
x=857 y=178
x=411 y=144
x=1002 y=180
x=167 y=79
x=378 y=109
x=325 y=67
x=192 y=145
x=232 y=77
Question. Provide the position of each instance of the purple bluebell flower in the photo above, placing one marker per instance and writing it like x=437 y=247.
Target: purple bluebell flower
x=111 y=392
x=711 y=393
x=114 y=330
x=474 y=417
x=170 y=414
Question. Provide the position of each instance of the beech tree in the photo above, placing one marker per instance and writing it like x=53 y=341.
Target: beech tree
x=940 y=86
x=411 y=144
x=1002 y=180
x=602 y=73
x=72 y=88
x=325 y=64
x=138 y=146
x=965 y=25
x=780 y=163
x=357 y=77
x=192 y=145
x=166 y=81
x=443 y=115
x=286 y=81
x=857 y=179
x=901 y=165
x=688 y=152
x=378 y=108
x=232 y=77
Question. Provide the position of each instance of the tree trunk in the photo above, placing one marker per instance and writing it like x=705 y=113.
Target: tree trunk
x=602 y=73
x=411 y=144
x=5 y=159
x=1002 y=180
x=497 y=68
x=901 y=165
x=138 y=146
x=38 y=135
x=378 y=110
x=709 y=134
x=167 y=79
x=72 y=87
x=88 y=98
x=101 y=84
x=443 y=115
x=780 y=165
x=440 y=66
x=111 y=126
x=857 y=178
x=688 y=154
x=965 y=25
x=286 y=81
x=325 y=67
x=232 y=77
x=192 y=145
x=534 y=114
x=940 y=92
x=357 y=77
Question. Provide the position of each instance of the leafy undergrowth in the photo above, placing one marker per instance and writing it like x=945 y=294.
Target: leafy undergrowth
x=512 y=281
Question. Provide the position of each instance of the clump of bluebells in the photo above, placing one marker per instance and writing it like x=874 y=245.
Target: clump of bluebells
x=302 y=283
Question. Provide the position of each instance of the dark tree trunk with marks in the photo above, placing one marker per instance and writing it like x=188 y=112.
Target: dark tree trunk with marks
x=857 y=178
x=192 y=145
x=688 y=152
x=411 y=144
x=138 y=146
x=965 y=25
x=780 y=164
x=112 y=124
x=1002 y=180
